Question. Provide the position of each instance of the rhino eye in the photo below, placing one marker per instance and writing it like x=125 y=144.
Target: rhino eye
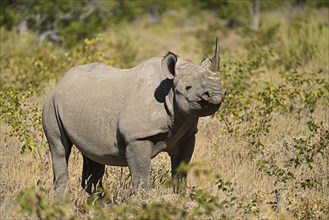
x=188 y=88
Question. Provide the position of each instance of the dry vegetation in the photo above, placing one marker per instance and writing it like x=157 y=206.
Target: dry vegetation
x=264 y=155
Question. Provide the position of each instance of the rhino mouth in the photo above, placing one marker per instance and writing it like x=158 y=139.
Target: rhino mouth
x=202 y=108
x=207 y=108
x=205 y=104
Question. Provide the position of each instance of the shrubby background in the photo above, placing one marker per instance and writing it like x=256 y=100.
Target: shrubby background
x=263 y=155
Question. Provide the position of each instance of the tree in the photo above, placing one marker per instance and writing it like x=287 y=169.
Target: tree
x=255 y=14
x=66 y=22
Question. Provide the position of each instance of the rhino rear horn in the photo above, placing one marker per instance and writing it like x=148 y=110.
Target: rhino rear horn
x=168 y=65
x=214 y=67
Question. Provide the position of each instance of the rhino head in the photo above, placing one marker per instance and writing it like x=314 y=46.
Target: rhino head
x=198 y=89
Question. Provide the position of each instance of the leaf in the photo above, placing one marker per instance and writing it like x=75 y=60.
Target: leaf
x=312 y=164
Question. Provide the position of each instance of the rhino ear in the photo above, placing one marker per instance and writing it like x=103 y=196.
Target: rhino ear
x=206 y=63
x=168 y=65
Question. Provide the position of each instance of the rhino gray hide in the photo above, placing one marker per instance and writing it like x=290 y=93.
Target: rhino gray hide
x=126 y=117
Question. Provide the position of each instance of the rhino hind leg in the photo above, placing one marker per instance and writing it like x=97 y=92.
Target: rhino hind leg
x=92 y=175
x=60 y=148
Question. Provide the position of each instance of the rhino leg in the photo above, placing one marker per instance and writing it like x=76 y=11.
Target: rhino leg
x=138 y=154
x=60 y=149
x=182 y=154
x=92 y=175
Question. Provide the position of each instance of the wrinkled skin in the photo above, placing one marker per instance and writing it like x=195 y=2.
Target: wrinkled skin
x=126 y=117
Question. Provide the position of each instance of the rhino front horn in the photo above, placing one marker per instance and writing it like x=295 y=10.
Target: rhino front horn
x=214 y=67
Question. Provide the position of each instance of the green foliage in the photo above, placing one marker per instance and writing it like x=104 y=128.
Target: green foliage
x=293 y=44
x=305 y=90
x=236 y=75
x=308 y=148
x=32 y=201
x=24 y=118
x=225 y=8
x=39 y=65
x=67 y=22
x=304 y=151
x=297 y=93
x=304 y=48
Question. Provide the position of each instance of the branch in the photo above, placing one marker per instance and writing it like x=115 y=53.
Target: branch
x=91 y=9
x=51 y=34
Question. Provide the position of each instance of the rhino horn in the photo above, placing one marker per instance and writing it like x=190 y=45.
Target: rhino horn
x=214 y=67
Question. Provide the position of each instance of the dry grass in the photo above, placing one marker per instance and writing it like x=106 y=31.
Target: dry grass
x=222 y=154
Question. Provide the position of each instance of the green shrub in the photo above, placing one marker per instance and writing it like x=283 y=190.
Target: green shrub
x=24 y=118
x=304 y=152
x=35 y=203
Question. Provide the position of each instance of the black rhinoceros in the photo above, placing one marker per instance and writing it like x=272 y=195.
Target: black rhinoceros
x=125 y=117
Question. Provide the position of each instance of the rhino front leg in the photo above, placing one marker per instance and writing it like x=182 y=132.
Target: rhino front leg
x=182 y=154
x=138 y=154
x=92 y=175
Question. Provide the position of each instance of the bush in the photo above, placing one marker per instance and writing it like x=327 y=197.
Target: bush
x=24 y=118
